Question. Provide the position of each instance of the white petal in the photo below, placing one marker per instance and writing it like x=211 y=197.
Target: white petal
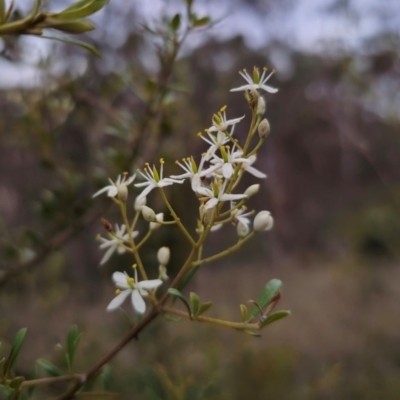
x=137 y=302
x=118 y=300
x=119 y=279
x=245 y=87
x=255 y=172
x=226 y=197
x=151 y=284
x=227 y=170
x=269 y=89
x=108 y=254
x=146 y=191
x=112 y=191
x=101 y=191
x=142 y=184
x=211 y=203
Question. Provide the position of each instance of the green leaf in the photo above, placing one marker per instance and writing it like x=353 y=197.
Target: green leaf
x=49 y=367
x=81 y=9
x=175 y=22
x=6 y=390
x=205 y=307
x=176 y=293
x=16 y=347
x=17 y=382
x=72 y=341
x=197 y=23
x=195 y=300
x=172 y=318
x=244 y=311
x=86 y=46
x=75 y=27
x=269 y=291
x=106 y=377
x=187 y=278
x=277 y=315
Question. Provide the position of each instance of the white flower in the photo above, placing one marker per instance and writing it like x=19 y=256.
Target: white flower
x=256 y=82
x=228 y=161
x=116 y=187
x=189 y=165
x=131 y=286
x=240 y=215
x=116 y=243
x=215 y=142
x=154 y=179
x=216 y=194
x=220 y=123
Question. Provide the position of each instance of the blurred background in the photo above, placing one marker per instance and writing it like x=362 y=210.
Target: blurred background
x=69 y=120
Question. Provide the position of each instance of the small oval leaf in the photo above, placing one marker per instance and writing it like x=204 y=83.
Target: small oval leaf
x=176 y=293
x=15 y=349
x=269 y=291
x=277 y=315
x=195 y=300
x=205 y=307
x=49 y=367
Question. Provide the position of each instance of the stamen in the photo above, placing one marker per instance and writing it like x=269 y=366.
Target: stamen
x=162 y=161
x=199 y=134
x=134 y=266
x=98 y=236
x=223 y=108
x=117 y=292
x=125 y=173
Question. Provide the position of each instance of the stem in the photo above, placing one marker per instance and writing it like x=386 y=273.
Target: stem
x=224 y=253
x=45 y=381
x=215 y=321
x=134 y=248
x=177 y=219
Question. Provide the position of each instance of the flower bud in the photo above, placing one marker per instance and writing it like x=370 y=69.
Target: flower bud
x=242 y=230
x=260 y=106
x=264 y=129
x=123 y=193
x=156 y=225
x=139 y=203
x=148 y=214
x=263 y=221
x=252 y=190
x=206 y=215
x=163 y=255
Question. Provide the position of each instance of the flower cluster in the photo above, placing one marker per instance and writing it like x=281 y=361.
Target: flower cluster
x=214 y=180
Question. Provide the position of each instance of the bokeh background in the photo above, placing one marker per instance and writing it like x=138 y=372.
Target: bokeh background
x=69 y=120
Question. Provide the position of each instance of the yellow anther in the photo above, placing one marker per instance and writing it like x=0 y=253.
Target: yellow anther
x=125 y=173
x=274 y=70
x=98 y=236
x=162 y=161
x=265 y=69
x=198 y=134
x=148 y=164
x=145 y=169
x=204 y=154
x=134 y=266
x=138 y=169
x=223 y=108
x=244 y=70
x=117 y=292
x=176 y=161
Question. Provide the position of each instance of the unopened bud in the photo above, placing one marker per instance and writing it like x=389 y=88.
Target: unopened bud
x=263 y=221
x=264 y=129
x=123 y=193
x=156 y=225
x=242 y=230
x=252 y=190
x=139 y=203
x=148 y=214
x=163 y=255
x=206 y=215
x=261 y=106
